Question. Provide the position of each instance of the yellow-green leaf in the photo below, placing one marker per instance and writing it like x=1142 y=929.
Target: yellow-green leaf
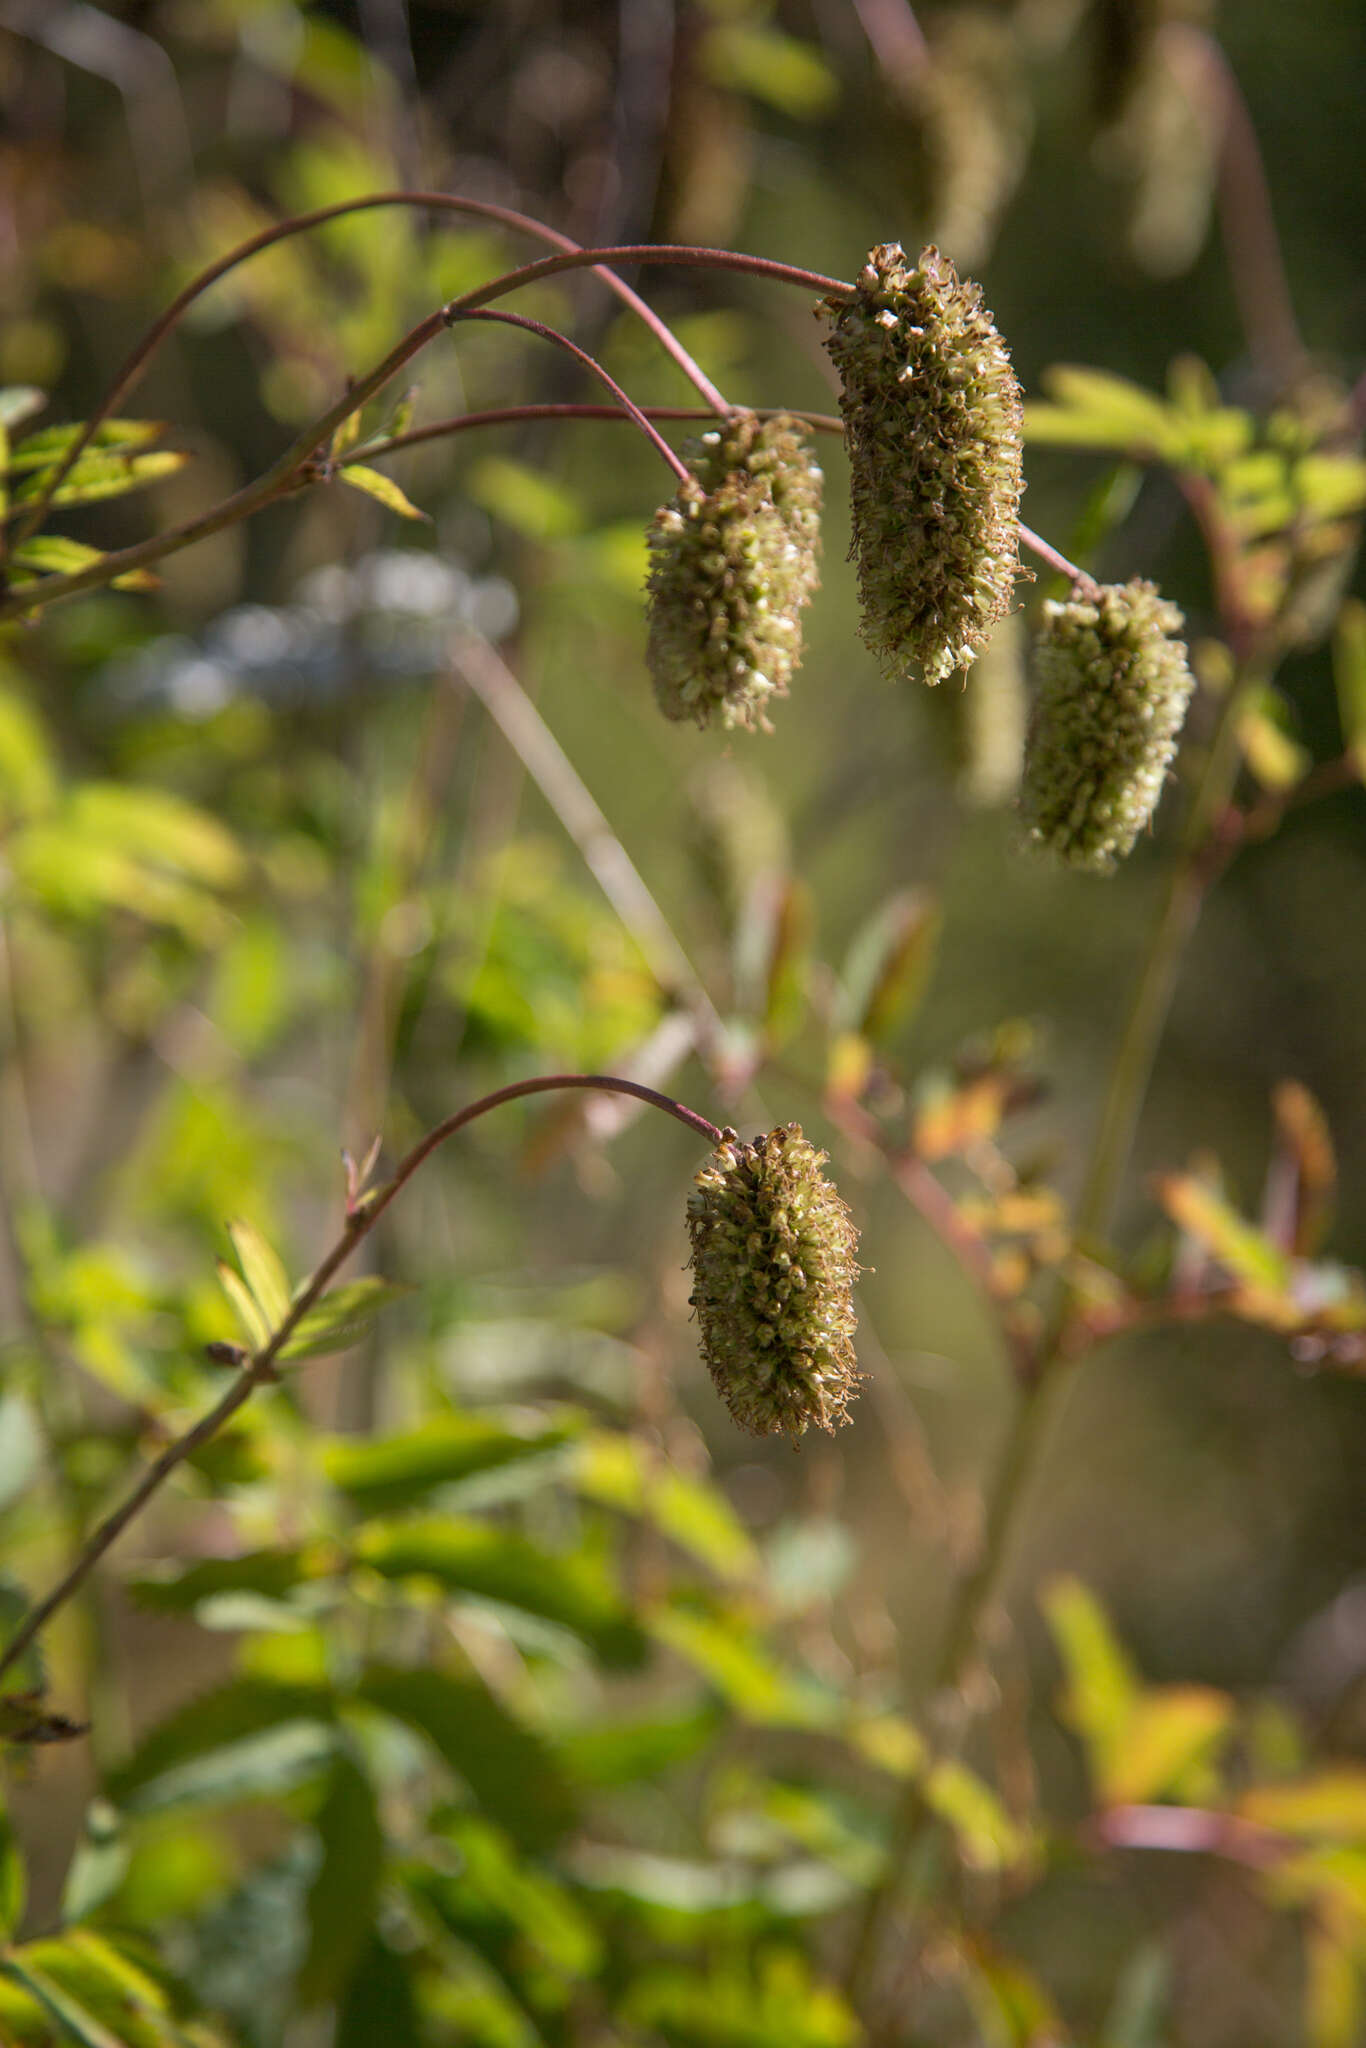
x=262 y=1271
x=383 y=489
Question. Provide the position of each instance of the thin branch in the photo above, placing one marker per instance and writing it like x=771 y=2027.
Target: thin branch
x=260 y=1367
x=447 y=202
x=482 y=670
x=515 y=415
x=657 y=252
x=628 y=406
x=1051 y=556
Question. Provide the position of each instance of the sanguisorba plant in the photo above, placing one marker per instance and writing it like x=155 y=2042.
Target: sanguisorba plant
x=934 y=424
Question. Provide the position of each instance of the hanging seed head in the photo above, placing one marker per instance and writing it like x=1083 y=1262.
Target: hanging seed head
x=1113 y=691
x=774 y=1270
x=732 y=564
x=933 y=424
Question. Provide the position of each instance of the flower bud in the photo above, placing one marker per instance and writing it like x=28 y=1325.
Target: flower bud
x=774 y=1269
x=932 y=420
x=733 y=563
x=1113 y=692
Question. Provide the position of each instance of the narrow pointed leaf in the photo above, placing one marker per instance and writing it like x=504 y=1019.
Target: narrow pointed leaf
x=345 y=1889
x=254 y=1324
x=105 y=476
x=341 y=1318
x=262 y=1271
x=383 y=489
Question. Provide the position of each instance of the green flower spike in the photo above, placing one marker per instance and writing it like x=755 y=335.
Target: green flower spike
x=1113 y=691
x=773 y=1260
x=933 y=424
x=733 y=562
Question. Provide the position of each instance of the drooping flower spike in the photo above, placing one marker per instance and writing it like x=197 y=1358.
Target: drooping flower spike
x=1113 y=687
x=774 y=1266
x=732 y=565
x=933 y=424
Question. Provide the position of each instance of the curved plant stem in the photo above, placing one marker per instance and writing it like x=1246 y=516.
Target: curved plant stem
x=1046 y=1391
x=443 y=202
x=259 y=1366
x=513 y=415
x=631 y=410
x=652 y=252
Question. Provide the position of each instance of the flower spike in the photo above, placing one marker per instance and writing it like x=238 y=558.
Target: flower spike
x=773 y=1258
x=733 y=563
x=1113 y=691
x=933 y=423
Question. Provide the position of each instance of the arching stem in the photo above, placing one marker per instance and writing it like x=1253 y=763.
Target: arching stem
x=259 y=1366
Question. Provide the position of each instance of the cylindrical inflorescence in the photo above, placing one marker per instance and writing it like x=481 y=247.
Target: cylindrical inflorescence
x=732 y=564
x=1113 y=687
x=774 y=1266
x=932 y=421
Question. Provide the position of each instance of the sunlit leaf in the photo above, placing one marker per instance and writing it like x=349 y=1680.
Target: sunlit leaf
x=1327 y=1805
x=383 y=489
x=1171 y=1734
x=1102 y=1687
x=262 y=1271
x=1302 y=1129
x=621 y=1752
x=13 y=1881
x=49 y=444
x=1092 y=409
x=769 y=1998
x=28 y=773
x=74 y=2021
x=244 y=1303
x=524 y=499
x=341 y=1318
x=178 y=1589
x=1274 y=756
x=231 y=1713
x=399 y=1471
x=888 y=966
x=54 y=554
x=19 y=402
x=750 y=56
x=105 y=476
x=625 y=1473
x=1247 y=1252
x=263 y=1766
x=987 y=1838
x=1334 y=1993
x=735 y=1661
x=522 y=1920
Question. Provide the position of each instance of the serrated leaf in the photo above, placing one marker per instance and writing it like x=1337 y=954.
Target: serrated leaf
x=53 y=554
x=383 y=489
x=344 y=1893
x=399 y=1471
x=97 y=477
x=254 y=1324
x=340 y=1319
x=262 y=1271
x=624 y=1473
x=497 y=1564
x=512 y=1771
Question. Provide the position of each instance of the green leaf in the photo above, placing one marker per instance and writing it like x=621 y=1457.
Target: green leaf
x=627 y=1752
x=398 y=1471
x=378 y=2005
x=1169 y=1740
x=888 y=966
x=523 y=1921
x=262 y=1271
x=345 y=1890
x=1349 y=675
x=50 y=444
x=1102 y=1686
x=733 y=1659
x=242 y=1708
x=1092 y=409
x=1327 y=1805
x=264 y=1766
x=987 y=1838
x=74 y=2021
x=28 y=773
x=21 y=1448
x=254 y=1324
x=95 y=1991
x=512 y=1772
x=340 y=1319
x=1330 y=486
x=497 y=1564
x=178 y=1589
x=1274 y=756
x=1247 y=1252
x=55 y=555
x=632 y=1476
x=13 y=1882
x=383 y=489
x=105 y=476
x=99 y=1864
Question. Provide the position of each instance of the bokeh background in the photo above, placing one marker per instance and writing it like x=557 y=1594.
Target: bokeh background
x=412 y=920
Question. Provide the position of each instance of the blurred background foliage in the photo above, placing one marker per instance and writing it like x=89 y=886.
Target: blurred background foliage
x=481 y=1685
